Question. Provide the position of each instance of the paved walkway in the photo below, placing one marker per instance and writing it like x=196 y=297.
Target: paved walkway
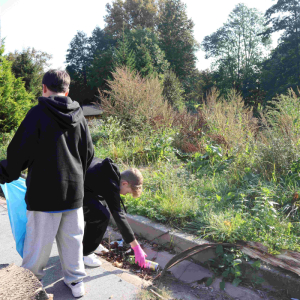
x=106 y=282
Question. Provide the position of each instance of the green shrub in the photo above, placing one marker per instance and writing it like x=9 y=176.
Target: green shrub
x=113 y=139
x=173 y=90
x=5 y=139
x=15 y=101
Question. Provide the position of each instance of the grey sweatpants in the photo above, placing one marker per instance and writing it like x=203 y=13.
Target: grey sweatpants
x=41 y=230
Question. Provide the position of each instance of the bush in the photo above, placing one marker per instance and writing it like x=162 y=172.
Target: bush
x=137 y=102
x=278 y=143
x=173 y=90
x=5 y=139
x=111 y=138
x=229 y=122
x=15 y=101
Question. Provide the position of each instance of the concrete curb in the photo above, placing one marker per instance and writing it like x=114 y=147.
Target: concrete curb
x=163 y=235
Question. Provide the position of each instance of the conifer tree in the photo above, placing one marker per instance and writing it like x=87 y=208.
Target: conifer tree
x=145 y=66
x=124 y=56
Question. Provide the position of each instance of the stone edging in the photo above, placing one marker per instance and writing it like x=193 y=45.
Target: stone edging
x=160 y=234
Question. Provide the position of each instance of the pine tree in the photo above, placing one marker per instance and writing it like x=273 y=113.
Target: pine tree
x=150 y=58
x=146 y=66
x=124 y=56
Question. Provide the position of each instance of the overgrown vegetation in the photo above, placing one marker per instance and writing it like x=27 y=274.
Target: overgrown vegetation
x=220 y=173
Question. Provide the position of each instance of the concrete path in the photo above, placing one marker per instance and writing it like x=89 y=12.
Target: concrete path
x=106 y=282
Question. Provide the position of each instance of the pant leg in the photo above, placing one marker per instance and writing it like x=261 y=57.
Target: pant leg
x=69 y=243
x=41 y=229
x=96 y=216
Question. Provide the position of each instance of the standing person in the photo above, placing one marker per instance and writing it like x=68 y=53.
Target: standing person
x=54 y=143
x=103 y=186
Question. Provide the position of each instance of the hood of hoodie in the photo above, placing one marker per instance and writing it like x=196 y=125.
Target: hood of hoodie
x=111 y=171
x=66 y=112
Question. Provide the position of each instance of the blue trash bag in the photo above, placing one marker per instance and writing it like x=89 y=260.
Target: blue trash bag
x=16 y=206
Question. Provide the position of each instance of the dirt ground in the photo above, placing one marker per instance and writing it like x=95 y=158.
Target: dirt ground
x=179 y=289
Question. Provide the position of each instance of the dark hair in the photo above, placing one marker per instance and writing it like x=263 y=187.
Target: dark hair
x=57 y=81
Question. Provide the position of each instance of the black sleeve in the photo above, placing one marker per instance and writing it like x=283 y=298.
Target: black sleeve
x=113 y=201
x=90 y=148
x=20 y=150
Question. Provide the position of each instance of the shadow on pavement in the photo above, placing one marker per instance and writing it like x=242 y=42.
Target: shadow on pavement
x=105 y=273
x=53 y=279
x=2 y=266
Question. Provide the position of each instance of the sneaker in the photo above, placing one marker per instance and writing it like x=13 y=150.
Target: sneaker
x=77 y=288
x=101 y=249
x=92 y=260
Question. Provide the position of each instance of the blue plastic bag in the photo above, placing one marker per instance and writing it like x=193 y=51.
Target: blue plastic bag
x=16 y=206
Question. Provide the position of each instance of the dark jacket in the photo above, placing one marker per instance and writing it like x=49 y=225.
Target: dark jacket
x=102 y=182
x=54 y=143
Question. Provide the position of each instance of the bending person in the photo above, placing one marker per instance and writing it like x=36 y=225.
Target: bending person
x=103 y=186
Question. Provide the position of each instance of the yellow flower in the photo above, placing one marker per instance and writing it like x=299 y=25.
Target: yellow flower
x=227 y=223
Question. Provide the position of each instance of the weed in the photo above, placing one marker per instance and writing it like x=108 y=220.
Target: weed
x=227 y=265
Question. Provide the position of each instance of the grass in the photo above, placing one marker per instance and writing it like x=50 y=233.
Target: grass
x=167 y=197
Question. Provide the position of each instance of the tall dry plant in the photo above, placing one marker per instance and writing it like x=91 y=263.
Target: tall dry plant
x=229 y=121
x=136 y=100
x=190 y=128
x=278 y=144
x=283 y=116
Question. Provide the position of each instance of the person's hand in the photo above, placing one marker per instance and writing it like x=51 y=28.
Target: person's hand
x=140 y=256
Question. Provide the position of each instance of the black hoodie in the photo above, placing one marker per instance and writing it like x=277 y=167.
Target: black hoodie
x=102 y=182
x=54 y=143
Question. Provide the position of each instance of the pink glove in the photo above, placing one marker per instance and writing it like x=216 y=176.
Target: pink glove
x=140 y=256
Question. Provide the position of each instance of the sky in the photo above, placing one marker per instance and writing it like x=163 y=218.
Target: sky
x=49 y=26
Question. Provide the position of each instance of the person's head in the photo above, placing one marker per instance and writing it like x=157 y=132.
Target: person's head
x=131 y=182
x=56 y=82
